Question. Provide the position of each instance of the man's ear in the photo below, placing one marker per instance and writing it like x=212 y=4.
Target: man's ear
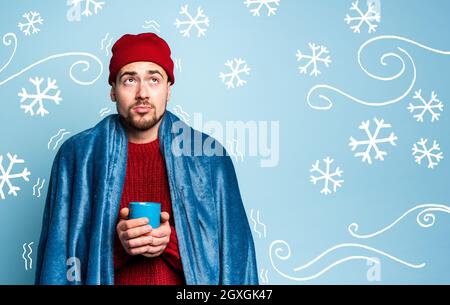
x=168 y=91
x=112 y=94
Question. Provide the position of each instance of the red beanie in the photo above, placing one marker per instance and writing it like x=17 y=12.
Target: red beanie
x=141 y=47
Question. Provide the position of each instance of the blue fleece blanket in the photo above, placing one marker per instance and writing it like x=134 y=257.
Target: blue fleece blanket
x=215 y=240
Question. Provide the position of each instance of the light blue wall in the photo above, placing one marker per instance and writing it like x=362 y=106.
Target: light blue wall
x=292 y=208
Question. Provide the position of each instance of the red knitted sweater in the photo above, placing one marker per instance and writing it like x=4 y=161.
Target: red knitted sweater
x=146 y=180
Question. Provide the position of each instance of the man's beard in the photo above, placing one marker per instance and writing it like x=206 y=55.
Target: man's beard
x=139 y=121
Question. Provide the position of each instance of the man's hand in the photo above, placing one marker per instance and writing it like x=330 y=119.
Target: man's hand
x=137 y=237
x=133 y=233
x=161 y=237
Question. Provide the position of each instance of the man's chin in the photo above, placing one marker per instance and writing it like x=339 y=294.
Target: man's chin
x=141 y=122
x=143 y=125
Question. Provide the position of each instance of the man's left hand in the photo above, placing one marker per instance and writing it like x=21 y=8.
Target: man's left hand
x=161 y=237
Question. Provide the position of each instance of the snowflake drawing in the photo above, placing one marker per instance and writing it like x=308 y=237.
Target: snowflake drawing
x=39 y=97
x=433 y=155
x=371 y=17
x=326 y=175
x=97 y=5
x=433 y=106
x=6 y=176
x=29 y=27
x=271 y=6
x=237 y=67
x=200 y=19
x=318 y=56
x=373 y=141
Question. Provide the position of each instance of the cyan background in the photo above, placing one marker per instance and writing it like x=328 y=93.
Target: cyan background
x=291 y=207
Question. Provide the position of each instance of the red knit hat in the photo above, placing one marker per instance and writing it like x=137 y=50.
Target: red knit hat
x=141 y=47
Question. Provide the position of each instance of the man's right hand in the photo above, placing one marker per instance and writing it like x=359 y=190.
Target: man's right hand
x=134 y=234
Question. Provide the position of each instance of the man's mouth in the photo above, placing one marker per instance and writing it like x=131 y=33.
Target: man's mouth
x=142 y=109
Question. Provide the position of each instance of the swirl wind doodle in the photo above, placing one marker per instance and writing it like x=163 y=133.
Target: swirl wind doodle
x=425 y=219
x=61 y=133
x=39 y=188
x=28 y=260
x=256 y=223
x=10 y=38
x=328 y=102
x=278 y=247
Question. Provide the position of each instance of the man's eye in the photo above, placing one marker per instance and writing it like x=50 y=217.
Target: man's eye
x=129 y=80
x=154 y=80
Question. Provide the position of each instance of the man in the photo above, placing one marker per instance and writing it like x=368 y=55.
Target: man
x=87 y=238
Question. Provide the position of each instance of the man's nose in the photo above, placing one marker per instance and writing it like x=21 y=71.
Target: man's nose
x=143 y=91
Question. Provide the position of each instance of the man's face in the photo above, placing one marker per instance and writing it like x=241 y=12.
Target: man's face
x=141 y=92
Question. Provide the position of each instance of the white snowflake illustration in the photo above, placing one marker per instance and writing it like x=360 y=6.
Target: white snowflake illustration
x=6 y=176
x=271 y=9
x=371 y=17
x=33 y=18
x=233 y=77
x=373 y=141
x=98 y=5
x=39 y=97
x=432 y=106
x=192 y=22
x=318 y=53
x=421 y=151
x=327 y=176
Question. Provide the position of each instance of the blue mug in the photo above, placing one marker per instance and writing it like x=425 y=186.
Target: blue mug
x=150 y=210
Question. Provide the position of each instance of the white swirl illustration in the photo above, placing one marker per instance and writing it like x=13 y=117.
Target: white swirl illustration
x=425 y=219
x=7 y=41
x=282 y=246
x=329 y=103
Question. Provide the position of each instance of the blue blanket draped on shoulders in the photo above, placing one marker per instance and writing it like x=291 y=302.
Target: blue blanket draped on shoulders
x=87 y=176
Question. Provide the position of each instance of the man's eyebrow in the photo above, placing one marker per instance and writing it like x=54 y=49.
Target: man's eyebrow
x=132 y=73
x=155 y=72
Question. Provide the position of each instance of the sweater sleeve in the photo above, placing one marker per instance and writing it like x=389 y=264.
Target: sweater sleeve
x=171 y=254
